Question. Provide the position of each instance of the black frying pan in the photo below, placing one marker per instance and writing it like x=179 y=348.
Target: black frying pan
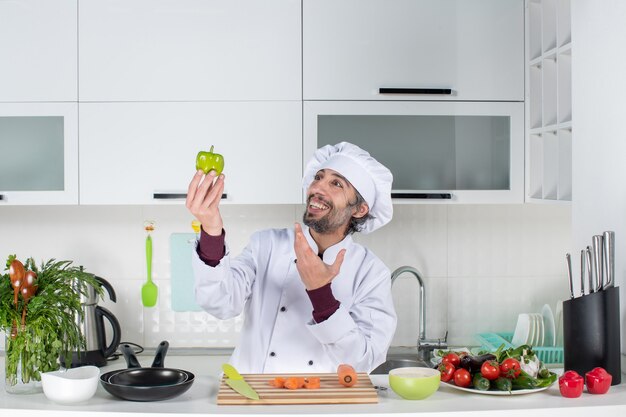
x=146 y=384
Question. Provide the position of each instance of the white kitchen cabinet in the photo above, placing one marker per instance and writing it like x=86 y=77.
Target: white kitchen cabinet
x=353 y=48
x=549 y=101
x=38 y=50
x=144 y=153
x=39 y=148
x=190 y=50
x=438 y=152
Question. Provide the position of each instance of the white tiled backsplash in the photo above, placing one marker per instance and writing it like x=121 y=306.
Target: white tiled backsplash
x=482 y=264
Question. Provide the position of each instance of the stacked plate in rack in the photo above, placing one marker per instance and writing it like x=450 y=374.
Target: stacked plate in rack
x=535 y=329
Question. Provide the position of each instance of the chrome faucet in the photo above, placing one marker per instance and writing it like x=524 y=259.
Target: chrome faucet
x=424 y=346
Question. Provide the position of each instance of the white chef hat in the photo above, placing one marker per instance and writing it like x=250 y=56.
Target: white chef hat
x=371 y=178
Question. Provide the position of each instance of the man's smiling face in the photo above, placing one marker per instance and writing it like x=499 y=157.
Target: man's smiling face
x=330 y=202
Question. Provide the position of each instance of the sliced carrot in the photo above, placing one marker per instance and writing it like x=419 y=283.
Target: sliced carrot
x=347 y=375
x=295 y=382
x=312 y=383
x=292 y=383
x=277 y=382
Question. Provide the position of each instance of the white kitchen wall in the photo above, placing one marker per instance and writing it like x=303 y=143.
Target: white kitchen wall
x=482 y=264
x=598 y=88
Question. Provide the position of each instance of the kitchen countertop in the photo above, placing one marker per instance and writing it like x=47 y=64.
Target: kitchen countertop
x=201 y=399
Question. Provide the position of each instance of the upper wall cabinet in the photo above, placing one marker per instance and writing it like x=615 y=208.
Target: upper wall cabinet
x=39 y=148
x=438 y=152
x=145 y=153
x=188 y=50
x=38 y=57
x=419 y=49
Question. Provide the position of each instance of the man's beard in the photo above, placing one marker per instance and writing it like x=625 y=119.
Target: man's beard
x=330 y=222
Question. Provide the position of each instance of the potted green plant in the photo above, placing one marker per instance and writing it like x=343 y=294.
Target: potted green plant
x=40 y=313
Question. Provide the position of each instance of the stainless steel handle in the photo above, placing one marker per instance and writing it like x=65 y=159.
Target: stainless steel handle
x=609 y=256
x=568 y=259
x=597 y=260
x=589 y=269
x=583 y=268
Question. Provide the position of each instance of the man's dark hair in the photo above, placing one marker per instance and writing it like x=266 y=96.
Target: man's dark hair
x=356 y=224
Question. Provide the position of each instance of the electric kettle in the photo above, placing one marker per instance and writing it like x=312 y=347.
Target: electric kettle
x=92 y=327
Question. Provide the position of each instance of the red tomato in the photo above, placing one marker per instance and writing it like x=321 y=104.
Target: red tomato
x=452 y=358
x=490 y=370
x=462 y=378
x=510 y=368
x=447 y=371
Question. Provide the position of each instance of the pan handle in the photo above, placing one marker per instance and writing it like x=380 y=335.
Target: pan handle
x=159 y=356
x=129 y=355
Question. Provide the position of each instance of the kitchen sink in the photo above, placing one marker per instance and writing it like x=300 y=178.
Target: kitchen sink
x=394 y=362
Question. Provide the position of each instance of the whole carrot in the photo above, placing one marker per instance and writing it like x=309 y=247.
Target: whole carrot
x=347 y=375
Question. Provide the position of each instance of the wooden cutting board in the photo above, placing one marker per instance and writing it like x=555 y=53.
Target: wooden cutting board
x=330 y=391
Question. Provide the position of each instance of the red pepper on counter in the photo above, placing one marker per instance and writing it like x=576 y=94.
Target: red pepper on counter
x=598 y=381
x=571 y=384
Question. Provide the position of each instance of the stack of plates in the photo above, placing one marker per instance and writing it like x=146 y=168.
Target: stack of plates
x=559 y=323
x=535 y=329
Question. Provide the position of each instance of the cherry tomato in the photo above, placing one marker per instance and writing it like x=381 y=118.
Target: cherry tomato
x=462 y=378
x=490 y=370
x=452 y=358
x=447 y=371
x=510 y=368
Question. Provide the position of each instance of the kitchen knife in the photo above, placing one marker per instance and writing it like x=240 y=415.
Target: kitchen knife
x=234 y=380
x=583 y=268
x=597 y=260
x=568 y=259
x=589 y=269
x=609 y=256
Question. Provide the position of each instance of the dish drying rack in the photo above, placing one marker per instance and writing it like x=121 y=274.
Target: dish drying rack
x=492 y=341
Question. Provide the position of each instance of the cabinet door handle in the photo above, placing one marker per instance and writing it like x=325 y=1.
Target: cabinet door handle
x=176 y=196
x=436 y=91
x=1 y=197
x=439 y=196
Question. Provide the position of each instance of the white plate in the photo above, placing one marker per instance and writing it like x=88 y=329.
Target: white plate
x=534 y=338
x=559 y=323
x=522 y=330
x=505 y=393
x=533 y=331
x=541 y=330
x=549 y=326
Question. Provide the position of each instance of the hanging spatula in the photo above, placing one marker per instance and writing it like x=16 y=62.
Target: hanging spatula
x=149 y=290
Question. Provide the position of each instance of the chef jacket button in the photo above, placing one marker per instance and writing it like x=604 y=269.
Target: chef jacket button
x=272 y=354
x=310 y=362
x=295 y=261
x=283 y=308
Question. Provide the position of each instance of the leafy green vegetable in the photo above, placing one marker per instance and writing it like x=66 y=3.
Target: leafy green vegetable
x=52 y=322
x=526 y=356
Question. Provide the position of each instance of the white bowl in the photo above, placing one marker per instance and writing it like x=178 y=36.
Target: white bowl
x=72 y=385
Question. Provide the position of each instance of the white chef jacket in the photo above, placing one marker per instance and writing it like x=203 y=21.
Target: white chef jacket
x=279 y=333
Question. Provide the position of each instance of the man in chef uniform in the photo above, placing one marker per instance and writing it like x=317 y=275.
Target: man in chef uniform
x=312 y=298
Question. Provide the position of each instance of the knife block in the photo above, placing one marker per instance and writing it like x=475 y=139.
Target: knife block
x=591 y=333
